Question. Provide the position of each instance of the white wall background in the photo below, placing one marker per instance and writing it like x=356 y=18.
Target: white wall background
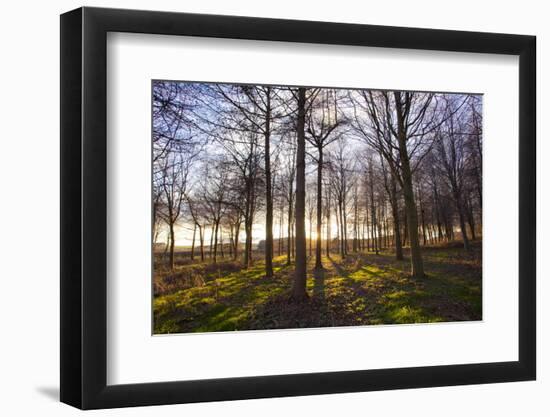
x=29 y=173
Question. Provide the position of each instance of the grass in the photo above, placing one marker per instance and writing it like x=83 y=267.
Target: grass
x=362 y=289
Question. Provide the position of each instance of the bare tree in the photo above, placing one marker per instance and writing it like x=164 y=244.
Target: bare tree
x=452 y=155
x=340 y=169
x=300 y=274
x=214 y=197
x=322 y=124
x=400 y=126
x=258 y=107
x=390 y=185
x=195 y=212
x=174 y=182
x=288 y=180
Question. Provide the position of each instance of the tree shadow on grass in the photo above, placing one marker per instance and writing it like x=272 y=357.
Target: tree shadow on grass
x=362 y=289
x=319 y=283
x=225 y=303
x=392 y=297
x=338 y=267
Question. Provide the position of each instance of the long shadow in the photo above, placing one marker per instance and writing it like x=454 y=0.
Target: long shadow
x=319 y=283
x=249 y=291
x=341 y=271
x=361 y=266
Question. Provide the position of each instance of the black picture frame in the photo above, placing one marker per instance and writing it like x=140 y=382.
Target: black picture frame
x=84 y=207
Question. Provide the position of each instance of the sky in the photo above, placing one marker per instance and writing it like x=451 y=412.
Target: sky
x=184 y=231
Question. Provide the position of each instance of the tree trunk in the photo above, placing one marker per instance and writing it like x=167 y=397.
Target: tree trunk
x=396 y=222
x=374 y=222
x=417 y=265
x=310 y=230
x=318 y=263
x=211 y=241
x=289 y=229
x=345 y=224
x=231 y=240
x=405 y=229
x=248 y=247
x=201 y=239
x=193 y=242
x=368 y=223
x=342 y=231
x=460 y=209
x=216 y=227
x=338 y=237
x=379 y=228
x=328 y=226
x=299 y=285
x=268 y=196
x=423 y=223
x=172 y=246
x=280 y=243
x=471 y=220
x=236 y=244
x=437 y=209
x=355 y=244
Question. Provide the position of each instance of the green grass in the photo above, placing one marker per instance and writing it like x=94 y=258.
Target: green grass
x=362 y=289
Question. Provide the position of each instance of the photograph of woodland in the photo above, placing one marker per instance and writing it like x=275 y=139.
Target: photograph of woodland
x=281 y=207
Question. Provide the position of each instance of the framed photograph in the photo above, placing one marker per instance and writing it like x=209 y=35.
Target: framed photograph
x=259 y=208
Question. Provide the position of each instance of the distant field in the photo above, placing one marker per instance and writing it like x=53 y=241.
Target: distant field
x=363 y=289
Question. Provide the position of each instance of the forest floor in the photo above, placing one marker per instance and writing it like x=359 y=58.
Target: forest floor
x=362 y=289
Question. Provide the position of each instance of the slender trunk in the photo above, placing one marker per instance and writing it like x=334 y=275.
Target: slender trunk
x=368 y=224
x=172 y=246
x=345 y=223
x=437 y=209
x=338 y=238
x=154 y=227
x=268 y=196
x=211 y=241
x=222 y=253
x=310 y=230
x=479 y=186
x=460 y=210
x=374 y=222
x=193 y=242
x=405 y=229
x=355 y=225
x=289 y=230
x=236 y=244
x=417 y=265
x=395 y=215
x=231 y=240
x=293 y=240
x=318 y=263
x=280 y=243
x=386 y=234
x=167 y=244
x=449 y=232
x=299 y=285
x=216 y=227
x=363 y=226
x=247 y=220
x=471 y=220
x=201 y=240
x=249 y=246
x=422 y=219
x=381 y=226
x=342 y=230
x=328 y=226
